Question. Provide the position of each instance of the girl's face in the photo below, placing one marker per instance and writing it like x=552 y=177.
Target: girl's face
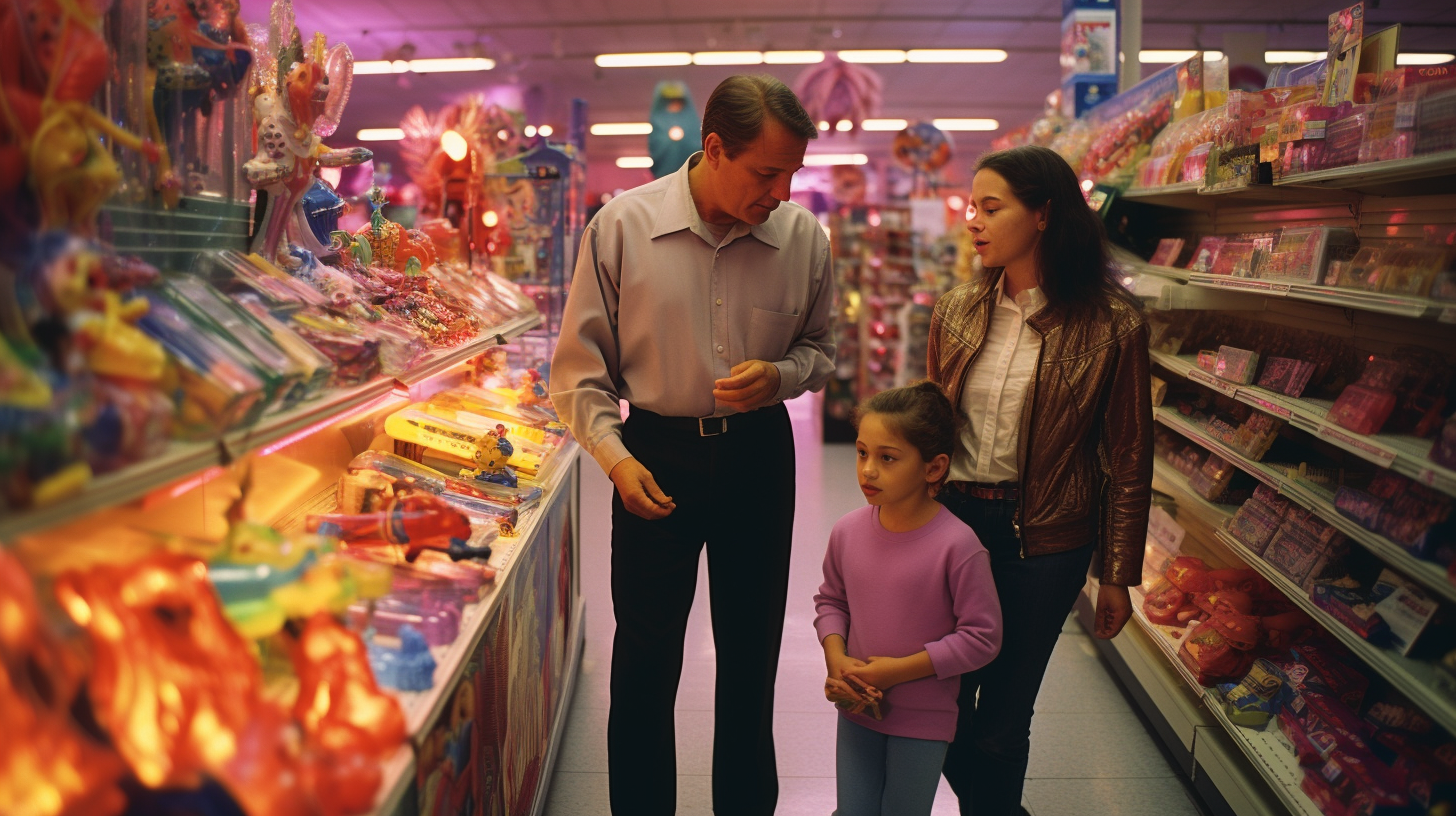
x=891 y=469
x=1006 y=231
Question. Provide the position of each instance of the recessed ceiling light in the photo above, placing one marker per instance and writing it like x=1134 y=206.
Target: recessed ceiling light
x=621 y=129
x=966 y=124
x=656 y=59
x=545 y=131
x=1286 y=57
x=1156 y=56
x=728 y=58
x=634 y=162
x=1423 y=59
x=451 y=65
x=958 y=55
x=843 y=125
x=873 y=57
x=793 y=57
x=379 y=135
x=831 y=159
x=873 y=125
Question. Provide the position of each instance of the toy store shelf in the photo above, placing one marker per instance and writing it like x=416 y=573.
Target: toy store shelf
x=423 y=708
x=1433 y=173
x=1414 y=678
x=1264 y=748
x=183 y=459
x=446 y=360
x=1211 y=513
x=1311 y=497
x=1172 y=419
x=1406 y=455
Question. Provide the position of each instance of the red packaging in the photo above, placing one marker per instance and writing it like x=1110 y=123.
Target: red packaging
x=1360 y=780
x=1323 y=796
x=1305 y=751
x=1362 y=409
x=1344 y=682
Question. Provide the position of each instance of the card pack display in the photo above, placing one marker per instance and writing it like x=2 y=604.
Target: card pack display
x=1285 y=375
x=1302 y=253
x=1167 y=252
x=1241 y=255
x=1206 y=254
x=1236 y=365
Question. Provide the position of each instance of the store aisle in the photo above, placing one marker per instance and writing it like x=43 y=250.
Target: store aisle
x=1090 y=752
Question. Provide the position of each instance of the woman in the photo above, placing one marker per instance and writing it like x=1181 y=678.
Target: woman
x=1047 y=359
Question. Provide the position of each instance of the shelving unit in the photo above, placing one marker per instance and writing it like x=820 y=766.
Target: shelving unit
x=1381 y=202
x=188 y=459
x=423 y=708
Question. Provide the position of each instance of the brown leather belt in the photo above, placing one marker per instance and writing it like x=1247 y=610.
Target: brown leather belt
x=1000 y=491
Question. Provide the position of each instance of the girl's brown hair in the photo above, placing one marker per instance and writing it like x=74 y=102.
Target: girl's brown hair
x=921 y=413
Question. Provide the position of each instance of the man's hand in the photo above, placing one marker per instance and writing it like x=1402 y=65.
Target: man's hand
x=752 y=384
x=639 y=490
x=1114 y=607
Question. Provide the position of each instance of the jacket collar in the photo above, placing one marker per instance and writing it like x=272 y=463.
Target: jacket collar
x=677 y=212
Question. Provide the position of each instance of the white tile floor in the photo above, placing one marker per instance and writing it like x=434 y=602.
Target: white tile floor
x=1090 y=752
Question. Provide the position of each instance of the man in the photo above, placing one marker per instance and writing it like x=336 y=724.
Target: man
x=703 y=299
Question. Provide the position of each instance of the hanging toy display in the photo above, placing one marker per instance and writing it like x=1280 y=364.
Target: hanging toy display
x=836 y=91
x=298 y=99
x=50 y=136
x=676 y=132
x=924 y=149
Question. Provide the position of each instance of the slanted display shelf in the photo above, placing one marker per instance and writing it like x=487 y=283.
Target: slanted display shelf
x=184 y=459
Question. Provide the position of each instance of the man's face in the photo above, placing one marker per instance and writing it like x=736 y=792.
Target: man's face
x=751 y=185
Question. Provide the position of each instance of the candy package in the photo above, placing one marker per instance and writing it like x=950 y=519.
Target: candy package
x=1286 y=376
x=217 y=393
x=1236 y=365
x=1303 y=253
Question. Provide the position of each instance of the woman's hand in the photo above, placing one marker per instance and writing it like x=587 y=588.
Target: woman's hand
x=1114 y=607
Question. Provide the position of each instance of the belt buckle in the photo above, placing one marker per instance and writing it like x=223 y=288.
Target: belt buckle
x=705 y=430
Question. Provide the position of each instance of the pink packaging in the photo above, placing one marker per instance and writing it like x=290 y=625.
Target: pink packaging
x=1362 y=409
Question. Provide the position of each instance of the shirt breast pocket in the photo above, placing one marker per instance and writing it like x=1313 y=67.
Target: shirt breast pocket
x=769 y=335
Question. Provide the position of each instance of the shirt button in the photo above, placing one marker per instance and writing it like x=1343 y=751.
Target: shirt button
x=720 y=301
x=720 y=349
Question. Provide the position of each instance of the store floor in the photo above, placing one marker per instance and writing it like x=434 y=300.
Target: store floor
x=1090 y=752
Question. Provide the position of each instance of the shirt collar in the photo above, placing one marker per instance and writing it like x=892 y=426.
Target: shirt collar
x=1028 y=301
x=678 y=212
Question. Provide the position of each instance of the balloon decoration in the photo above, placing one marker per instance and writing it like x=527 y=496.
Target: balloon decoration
x=676 y=133
x=923 y=148
x=836 y=91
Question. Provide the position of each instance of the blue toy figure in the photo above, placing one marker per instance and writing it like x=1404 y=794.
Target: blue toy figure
x=676 y=133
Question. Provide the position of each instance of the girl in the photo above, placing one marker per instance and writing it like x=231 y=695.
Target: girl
x=1046 y=358
x=907 y=606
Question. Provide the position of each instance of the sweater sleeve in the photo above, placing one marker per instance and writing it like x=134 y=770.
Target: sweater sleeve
x=831 y=606
x=977 y=636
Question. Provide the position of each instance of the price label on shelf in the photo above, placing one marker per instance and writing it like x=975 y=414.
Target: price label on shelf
x=1228 y=389
x=1382 y=455
x=1264 y=405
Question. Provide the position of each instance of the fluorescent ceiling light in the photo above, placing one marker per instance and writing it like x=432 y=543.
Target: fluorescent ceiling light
x=451 y=65
x=634 y=162
x=379 y=135
x=1423 y=59
x=656 y=59
x=1287 y=57
x=728 y=58
x=893 y=125
x=1160 y=56
x=843 y=125
x=959 y=55
x=876 y=57
x=793 y=57
x=621 y=129
x=966 y=124
x=831 y=159
x=367 y=67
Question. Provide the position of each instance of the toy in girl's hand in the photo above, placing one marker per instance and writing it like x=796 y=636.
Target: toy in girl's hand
x=413 y=519
x=855 y=697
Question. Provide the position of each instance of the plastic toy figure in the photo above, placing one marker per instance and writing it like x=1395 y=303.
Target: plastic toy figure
x=486 y=452
x=391 y=245
x=48 y=766
x=413 y=519
x=50 y=136
x=296 y=104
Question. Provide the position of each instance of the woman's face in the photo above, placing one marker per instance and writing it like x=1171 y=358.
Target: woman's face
x=1004 y=229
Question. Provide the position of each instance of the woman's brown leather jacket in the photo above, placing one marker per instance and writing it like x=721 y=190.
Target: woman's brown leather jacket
x=1085 y=449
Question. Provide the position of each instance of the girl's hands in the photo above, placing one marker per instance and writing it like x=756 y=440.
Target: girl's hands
x=880 y=672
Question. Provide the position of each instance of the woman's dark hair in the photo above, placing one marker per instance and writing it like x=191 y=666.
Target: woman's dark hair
x=921 y=413
x=1076 y=269
x=735 y=111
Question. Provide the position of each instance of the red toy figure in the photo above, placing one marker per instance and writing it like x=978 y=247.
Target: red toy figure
x=413 y=519
x=48 y=767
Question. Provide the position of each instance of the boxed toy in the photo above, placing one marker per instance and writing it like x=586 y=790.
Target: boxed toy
x=1406 y=608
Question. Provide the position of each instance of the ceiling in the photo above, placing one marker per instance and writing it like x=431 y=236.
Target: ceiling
x=544 y=52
